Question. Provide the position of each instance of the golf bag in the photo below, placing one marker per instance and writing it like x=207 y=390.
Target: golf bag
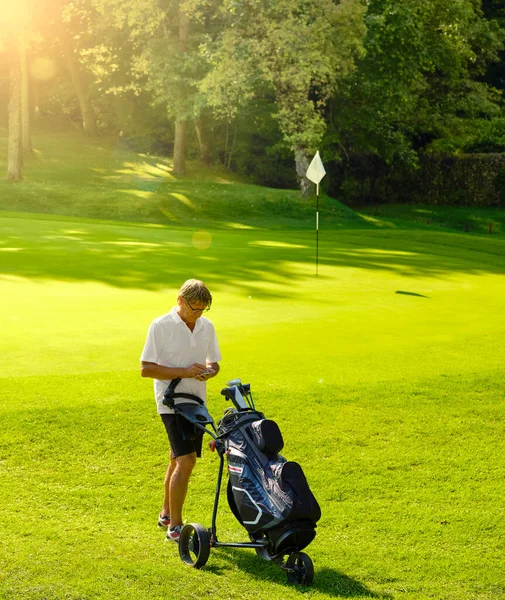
x=268 y=495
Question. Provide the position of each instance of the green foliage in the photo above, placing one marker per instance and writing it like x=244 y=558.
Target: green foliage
x=392 y=78
x=119 y=60
x=256 y=146
x=169 y=66
x=301 y=49
x=450 y=179
x=487 y=136
x=59 y=100
x=419 y=79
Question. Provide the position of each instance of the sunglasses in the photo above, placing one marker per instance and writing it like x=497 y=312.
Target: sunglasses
x=197 y=309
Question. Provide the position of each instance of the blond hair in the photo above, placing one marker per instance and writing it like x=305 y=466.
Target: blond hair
x=194 y=290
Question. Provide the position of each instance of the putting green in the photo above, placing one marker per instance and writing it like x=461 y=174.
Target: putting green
x=77 y=297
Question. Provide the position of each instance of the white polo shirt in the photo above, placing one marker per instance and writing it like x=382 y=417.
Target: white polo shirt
x=170 y=343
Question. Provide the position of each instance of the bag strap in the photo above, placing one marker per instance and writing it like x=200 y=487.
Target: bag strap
x=171 y=394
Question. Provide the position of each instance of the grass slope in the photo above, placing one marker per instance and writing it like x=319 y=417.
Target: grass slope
x=104 y=179
x=385 y=374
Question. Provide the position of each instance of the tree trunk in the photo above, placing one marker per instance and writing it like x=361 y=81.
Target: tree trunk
x=183 y=30
x=180 y=147
x=181 y=129
x=302 y=164
x=14 y=161
x=203 y=140
x=34 y=88
x=88 y=115
x=25 y=98
x=232 y=147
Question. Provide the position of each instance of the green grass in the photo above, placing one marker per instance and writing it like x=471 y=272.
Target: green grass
x=488 y=220
x=103 y=179
x=385 y=373
x=66 y=175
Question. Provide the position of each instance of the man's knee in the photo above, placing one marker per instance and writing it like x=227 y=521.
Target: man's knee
x=187 y=462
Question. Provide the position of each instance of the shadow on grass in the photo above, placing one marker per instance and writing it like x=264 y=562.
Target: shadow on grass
x=336 y=583
x=154 y=257
x=328 y=581
x=411 y=294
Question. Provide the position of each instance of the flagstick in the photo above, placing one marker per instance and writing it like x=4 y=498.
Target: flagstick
x=317 y=229
x=315 y=173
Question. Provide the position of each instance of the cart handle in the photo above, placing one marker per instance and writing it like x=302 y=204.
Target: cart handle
x=171 y=394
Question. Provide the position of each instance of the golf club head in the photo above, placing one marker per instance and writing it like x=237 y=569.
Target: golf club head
x=233 y=393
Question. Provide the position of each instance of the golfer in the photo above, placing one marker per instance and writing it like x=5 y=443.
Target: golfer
x=182 y=344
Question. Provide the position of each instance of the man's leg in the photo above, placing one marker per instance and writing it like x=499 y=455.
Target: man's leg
x=166 y=497
x=178 y=486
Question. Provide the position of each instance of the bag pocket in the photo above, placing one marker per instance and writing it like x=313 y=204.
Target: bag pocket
x=305 y=506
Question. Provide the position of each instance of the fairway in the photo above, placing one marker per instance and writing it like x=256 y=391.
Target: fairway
x=385 y=373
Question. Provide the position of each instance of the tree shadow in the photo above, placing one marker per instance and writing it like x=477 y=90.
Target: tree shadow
x=153 y=257
x=331 y=582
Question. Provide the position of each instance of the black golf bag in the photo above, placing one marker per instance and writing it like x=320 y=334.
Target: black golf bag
x=268 y=495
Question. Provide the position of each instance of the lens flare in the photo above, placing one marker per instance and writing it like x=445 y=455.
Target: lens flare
x=43 y=69
x=202 y=240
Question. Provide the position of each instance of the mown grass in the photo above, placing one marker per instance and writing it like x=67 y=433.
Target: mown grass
x=104 y=179
x=483 y=220
x=411 y=496
x=385 y=374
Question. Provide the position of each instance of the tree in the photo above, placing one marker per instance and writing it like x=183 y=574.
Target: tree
x=15 y=157
x=81 y=87
x=164 y=40
x=26 y=142
x=420 y=79
x=12 y=30
x=301 y=49
x=180 y=143
x=72 y=25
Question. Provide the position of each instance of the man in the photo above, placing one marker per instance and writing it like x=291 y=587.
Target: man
x=182 y=344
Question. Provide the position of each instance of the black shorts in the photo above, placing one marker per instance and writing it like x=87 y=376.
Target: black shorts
x=182 y=436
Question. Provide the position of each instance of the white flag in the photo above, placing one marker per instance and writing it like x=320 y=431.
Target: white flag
x=316 y=171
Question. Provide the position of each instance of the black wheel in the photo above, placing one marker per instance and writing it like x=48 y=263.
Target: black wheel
x=301 y=568
x=194 y=545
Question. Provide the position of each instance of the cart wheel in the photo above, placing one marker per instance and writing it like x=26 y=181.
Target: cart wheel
x=194 y=545
x=301 y=568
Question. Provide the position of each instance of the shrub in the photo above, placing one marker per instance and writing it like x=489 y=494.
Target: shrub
x=443 y=179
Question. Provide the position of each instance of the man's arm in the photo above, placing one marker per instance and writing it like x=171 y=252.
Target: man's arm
x=156 y=371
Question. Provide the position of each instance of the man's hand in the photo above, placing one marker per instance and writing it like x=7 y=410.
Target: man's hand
x=205 y=376
x=195 y=371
